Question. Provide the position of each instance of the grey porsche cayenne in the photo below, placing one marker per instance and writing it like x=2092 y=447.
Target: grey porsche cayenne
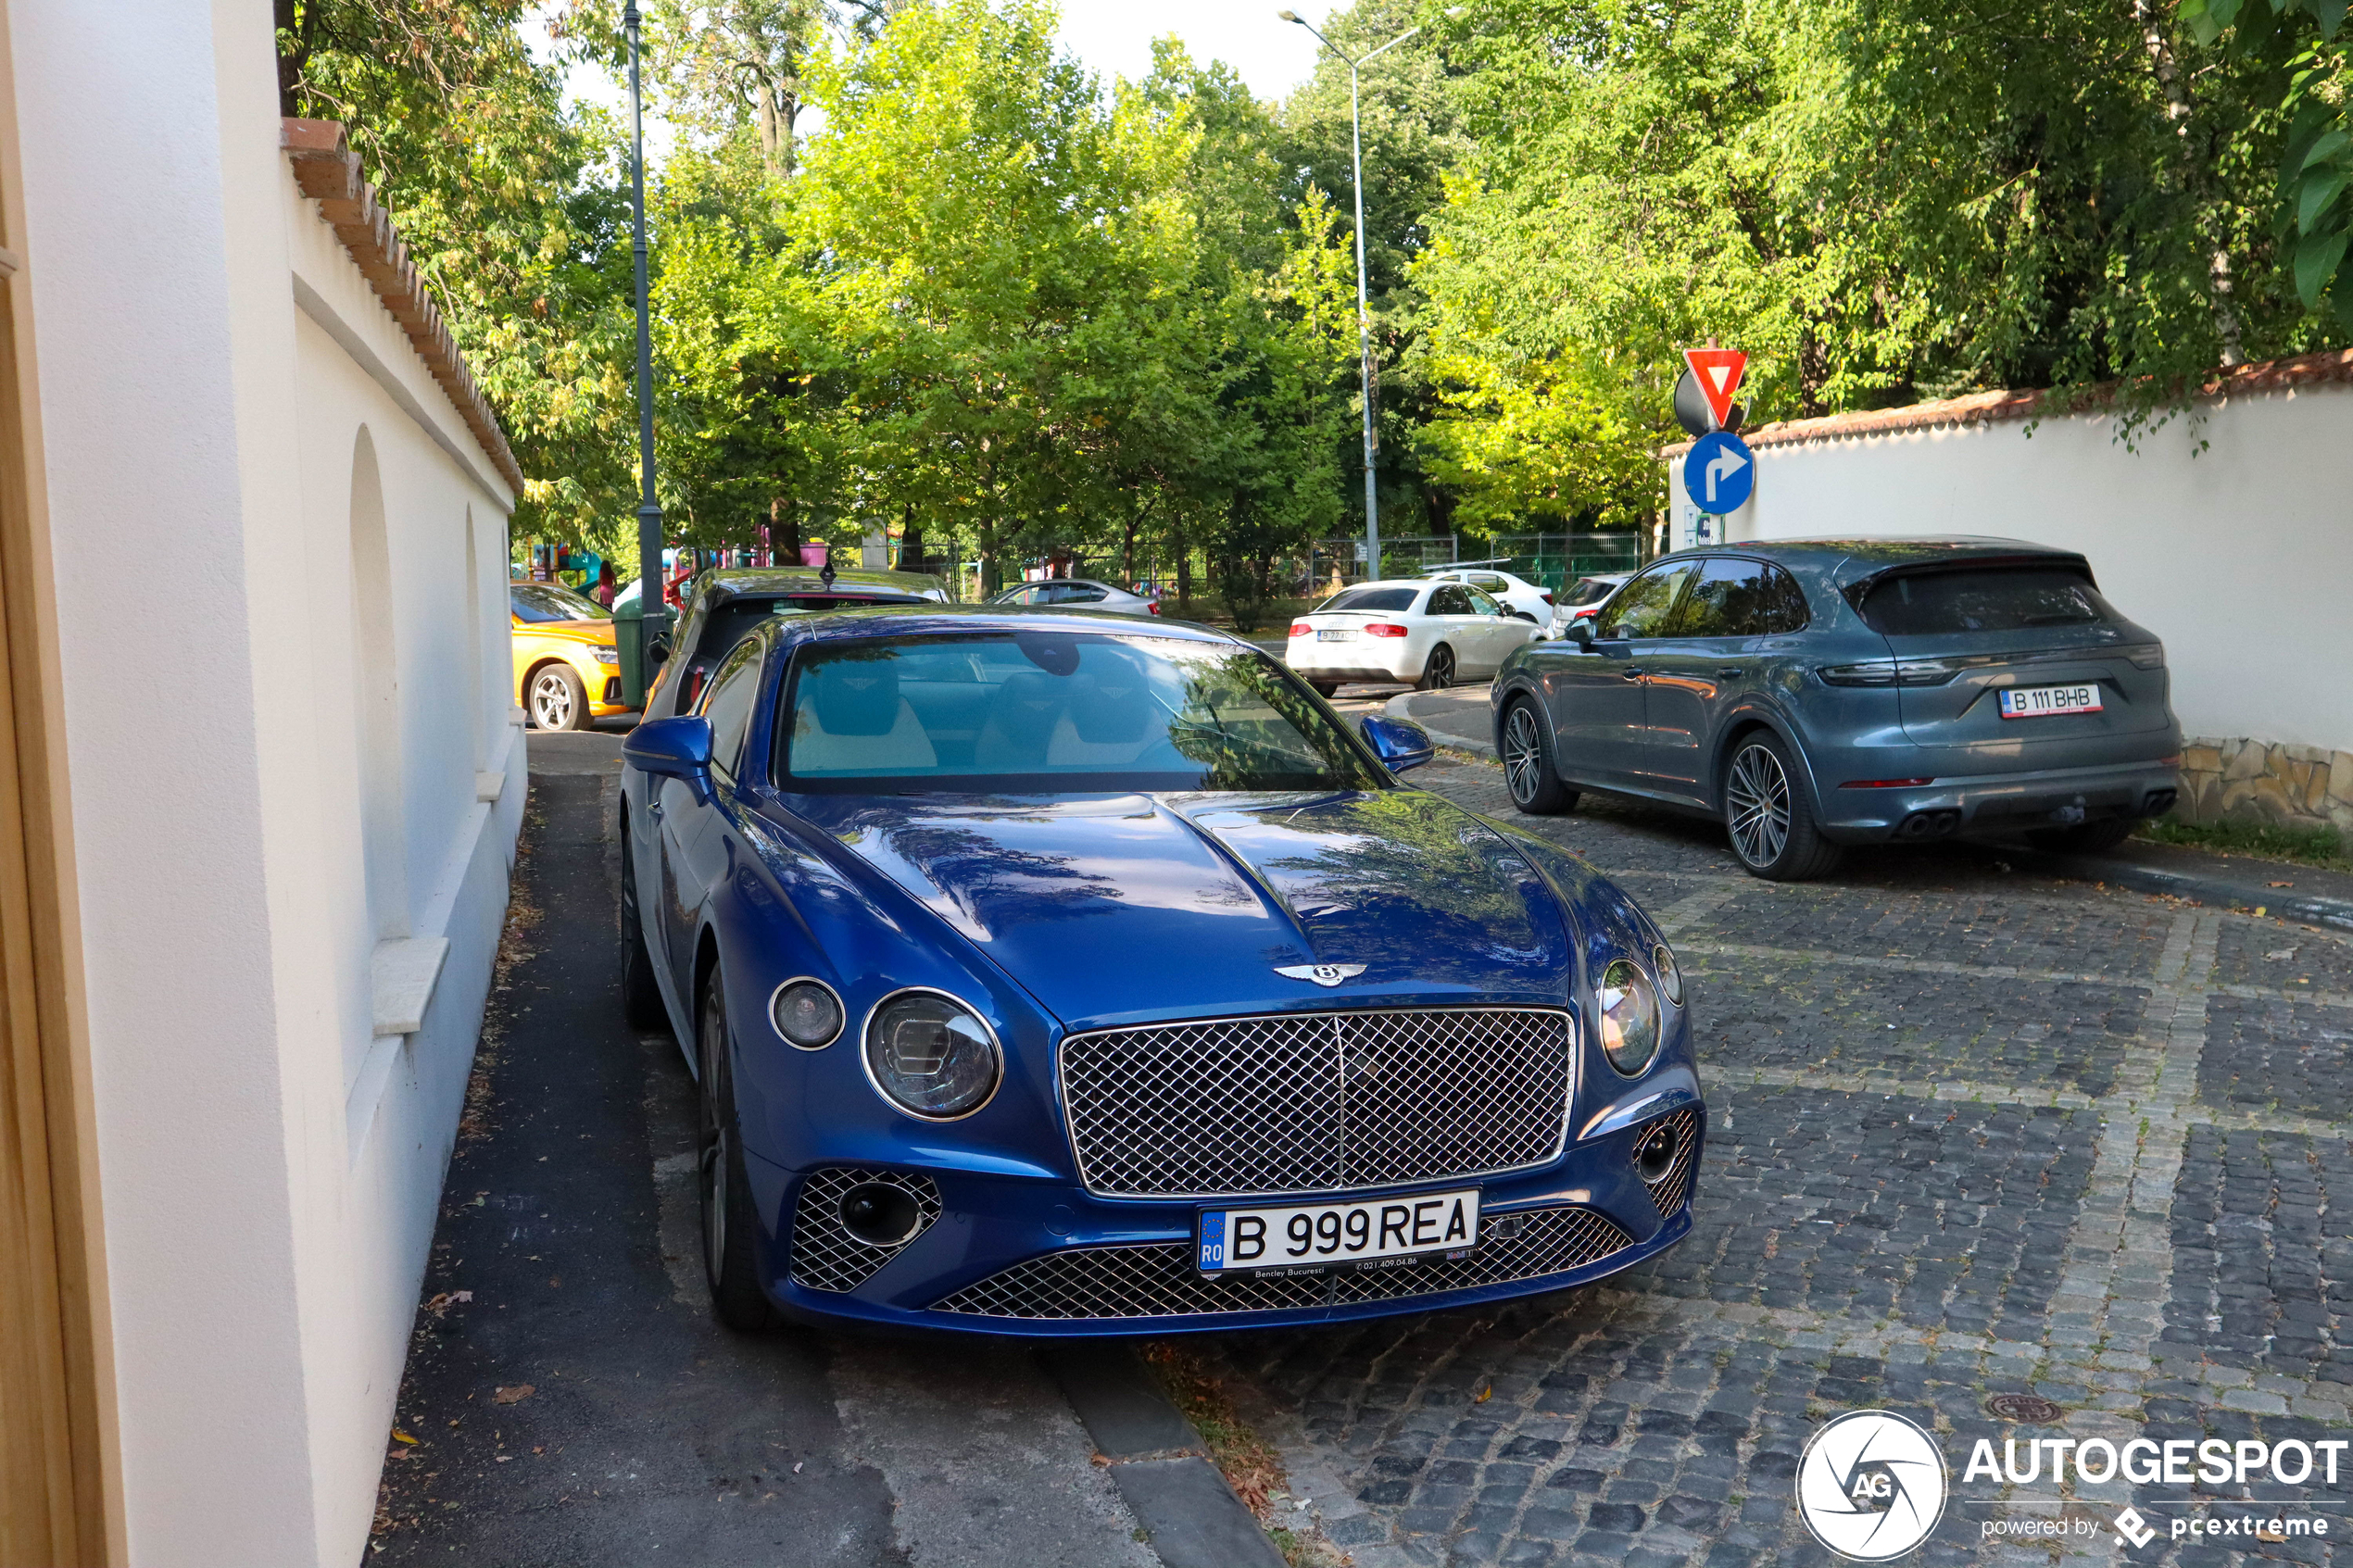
x=1818 y=693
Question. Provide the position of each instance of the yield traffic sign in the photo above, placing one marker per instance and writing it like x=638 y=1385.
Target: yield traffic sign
x=1718 y=373
x=1718 y=472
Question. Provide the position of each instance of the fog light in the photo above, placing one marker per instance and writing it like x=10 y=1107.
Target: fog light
x=1654 y=1155
x=879 y=1215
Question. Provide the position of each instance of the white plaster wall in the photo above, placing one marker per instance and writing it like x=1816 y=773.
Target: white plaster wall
x=2238 y=555
x=268 y=1169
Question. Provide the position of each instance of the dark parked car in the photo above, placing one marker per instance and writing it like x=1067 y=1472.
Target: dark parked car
x=1818 y=693
x=1068 y=972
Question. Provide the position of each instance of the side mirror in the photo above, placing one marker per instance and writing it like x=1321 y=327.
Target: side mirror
x=1580 y=631
x=659 y=648
x=677 y=748
x=1400 y=743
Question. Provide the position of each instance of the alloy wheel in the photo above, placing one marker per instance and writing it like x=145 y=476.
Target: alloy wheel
x=1757 y=794
x=551 y=701
x=1442 y=670
x=712 y=1144
x=1523 y=755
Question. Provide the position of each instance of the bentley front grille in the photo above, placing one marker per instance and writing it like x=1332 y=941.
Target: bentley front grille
x=1317 y=1102
x=1160 y=1280
x=825 y=1254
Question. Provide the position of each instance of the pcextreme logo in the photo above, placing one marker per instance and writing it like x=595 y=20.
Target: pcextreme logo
x=1870 y=1485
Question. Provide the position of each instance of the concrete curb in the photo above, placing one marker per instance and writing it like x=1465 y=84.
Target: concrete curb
x=1400 y=707
x=2334 y=914
x=1157 y=1460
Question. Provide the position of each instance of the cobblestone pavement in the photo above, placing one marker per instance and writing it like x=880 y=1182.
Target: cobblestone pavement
x=1974 y=1132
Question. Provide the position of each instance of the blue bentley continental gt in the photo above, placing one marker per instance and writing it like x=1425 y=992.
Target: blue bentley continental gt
x=1056 y=972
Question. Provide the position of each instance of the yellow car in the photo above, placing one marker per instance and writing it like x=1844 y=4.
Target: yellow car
x=567 y=670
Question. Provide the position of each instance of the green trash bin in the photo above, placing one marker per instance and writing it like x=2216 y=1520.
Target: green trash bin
x=629 y=631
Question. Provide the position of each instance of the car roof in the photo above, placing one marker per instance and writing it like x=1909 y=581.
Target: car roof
x=1390 y=582
x=759 y=581
x=1880 y=552
x=934 y=619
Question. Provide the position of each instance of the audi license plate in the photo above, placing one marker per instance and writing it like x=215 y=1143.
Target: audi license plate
x=1310 y=1238
x=1339 y=637
x=2043 y=702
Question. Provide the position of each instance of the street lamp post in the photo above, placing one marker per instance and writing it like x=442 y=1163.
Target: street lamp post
x=650 y=592
x=1363 y=311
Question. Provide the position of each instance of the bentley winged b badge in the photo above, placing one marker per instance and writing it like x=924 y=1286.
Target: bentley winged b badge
x=1321 y=973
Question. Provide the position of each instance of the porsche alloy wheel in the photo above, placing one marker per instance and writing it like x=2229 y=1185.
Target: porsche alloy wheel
x=1768 y=817
x=557 y=700
x=1536 y=788
x=723 y=1191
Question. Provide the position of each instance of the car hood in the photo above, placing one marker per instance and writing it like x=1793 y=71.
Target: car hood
x=570 y=630
x=1111 y=908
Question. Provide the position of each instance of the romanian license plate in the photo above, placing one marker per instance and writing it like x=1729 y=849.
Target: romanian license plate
x=2043 y=702
x=1341 y=636
x=1309 y=1237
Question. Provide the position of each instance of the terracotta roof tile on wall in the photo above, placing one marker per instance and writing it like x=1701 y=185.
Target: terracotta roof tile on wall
x=328 y=172
x=1987 y=407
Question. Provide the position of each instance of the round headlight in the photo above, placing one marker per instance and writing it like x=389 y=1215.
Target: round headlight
x=807 y=1012
x=932 y=1055
x=1629 y=1016
x=1670 y=974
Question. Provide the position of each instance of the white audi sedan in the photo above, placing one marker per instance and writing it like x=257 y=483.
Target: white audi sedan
x=1424 y=633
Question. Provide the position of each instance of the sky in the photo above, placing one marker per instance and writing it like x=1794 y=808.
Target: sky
x=1112 y=37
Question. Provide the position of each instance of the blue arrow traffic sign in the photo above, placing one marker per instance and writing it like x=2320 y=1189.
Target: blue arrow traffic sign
x=1720 y=471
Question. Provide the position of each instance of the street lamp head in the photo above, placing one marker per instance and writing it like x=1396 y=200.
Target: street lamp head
x=1289 y=17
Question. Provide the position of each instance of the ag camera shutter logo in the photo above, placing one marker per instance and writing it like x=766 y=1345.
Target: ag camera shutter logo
x=1870 y=1485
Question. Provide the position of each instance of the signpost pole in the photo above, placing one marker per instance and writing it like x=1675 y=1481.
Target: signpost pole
x=650 y=587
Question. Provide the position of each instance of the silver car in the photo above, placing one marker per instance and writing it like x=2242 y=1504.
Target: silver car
x=1077 y=591
x=1815 y=694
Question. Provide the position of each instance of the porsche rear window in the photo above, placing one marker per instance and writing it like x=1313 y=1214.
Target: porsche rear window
x=2007 y=599
x=1053 y=712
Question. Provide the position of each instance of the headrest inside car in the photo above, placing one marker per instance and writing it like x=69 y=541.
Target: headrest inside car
x=857 y=696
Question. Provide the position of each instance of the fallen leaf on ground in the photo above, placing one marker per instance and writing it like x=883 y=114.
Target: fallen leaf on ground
x=2282 y=884
x=400 y=1436
x=515 y=1394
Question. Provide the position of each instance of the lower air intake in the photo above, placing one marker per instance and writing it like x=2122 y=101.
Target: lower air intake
x=826 y=1254
x=1673 y=1187
x=1160 y=1280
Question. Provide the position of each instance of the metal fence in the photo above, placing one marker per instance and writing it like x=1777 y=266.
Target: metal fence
x=1553 y=560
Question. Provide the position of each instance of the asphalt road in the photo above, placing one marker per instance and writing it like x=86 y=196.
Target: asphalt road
x=572 y=1401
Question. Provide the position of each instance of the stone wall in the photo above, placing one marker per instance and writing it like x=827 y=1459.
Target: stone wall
x=2302 y=786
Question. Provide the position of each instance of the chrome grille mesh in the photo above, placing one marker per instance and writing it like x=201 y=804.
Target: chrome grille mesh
x=1160 y=1281
x=824 y=1255
x=1316 y=1102
x=1673 y=1190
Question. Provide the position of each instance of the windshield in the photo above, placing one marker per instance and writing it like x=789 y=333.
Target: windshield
x=1054 y=712
x=551 y=601
x=1982 y=600
x=1370 y=598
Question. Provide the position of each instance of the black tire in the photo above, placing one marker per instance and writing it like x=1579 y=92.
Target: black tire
x=1527 y=755
x=1323 y=688
x=1523 y=615
x=2084 y=838
x=1439 y=673
x=556 y=699
x=1766 y=815
x=640 y=994
x=722 y=1192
